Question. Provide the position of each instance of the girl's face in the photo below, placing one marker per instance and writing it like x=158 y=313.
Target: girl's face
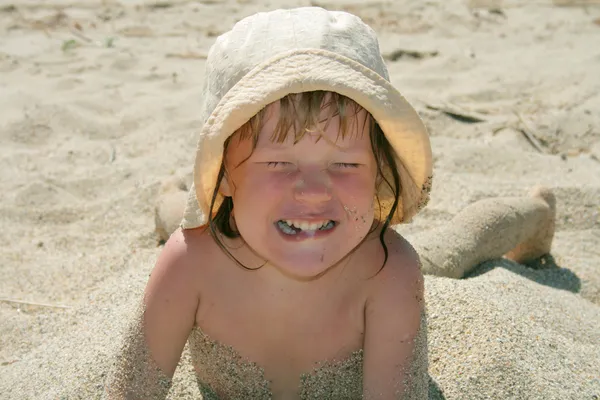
x=304 y=206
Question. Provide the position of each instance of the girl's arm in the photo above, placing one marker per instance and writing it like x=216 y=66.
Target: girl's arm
x=392 y=327
x=155 y=339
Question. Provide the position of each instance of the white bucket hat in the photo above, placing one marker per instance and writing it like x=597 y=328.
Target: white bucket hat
x=269 y=55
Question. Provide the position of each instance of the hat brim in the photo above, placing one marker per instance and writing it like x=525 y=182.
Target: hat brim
x=307 y=70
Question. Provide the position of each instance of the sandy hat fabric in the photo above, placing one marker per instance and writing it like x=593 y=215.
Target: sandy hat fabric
x=270 y=55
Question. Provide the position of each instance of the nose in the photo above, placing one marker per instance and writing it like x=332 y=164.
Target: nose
x=313 y=187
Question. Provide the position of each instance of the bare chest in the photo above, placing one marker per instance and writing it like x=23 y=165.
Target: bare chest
x=276 y=342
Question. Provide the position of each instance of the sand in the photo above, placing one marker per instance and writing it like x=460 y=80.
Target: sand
x=98 y=102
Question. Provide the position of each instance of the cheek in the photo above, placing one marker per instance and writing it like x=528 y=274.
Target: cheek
x=357 y=194
x=257 y=187
x=359 y=186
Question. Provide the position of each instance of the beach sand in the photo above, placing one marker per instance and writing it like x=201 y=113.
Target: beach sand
x=98 y=105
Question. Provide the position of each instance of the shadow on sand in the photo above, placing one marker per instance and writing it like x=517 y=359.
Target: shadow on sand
x=435 y=392
x=544 y=271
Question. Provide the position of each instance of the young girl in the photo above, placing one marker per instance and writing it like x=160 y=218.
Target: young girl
x=285 y=277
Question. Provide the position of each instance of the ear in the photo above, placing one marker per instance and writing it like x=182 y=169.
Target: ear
x=226 y=187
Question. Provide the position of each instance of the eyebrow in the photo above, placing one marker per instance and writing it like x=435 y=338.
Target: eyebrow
x=278 y=149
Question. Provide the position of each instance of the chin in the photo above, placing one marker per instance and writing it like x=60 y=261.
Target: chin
x=303 y=268
x=306 y=263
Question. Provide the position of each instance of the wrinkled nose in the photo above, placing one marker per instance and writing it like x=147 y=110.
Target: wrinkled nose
x=312 y=187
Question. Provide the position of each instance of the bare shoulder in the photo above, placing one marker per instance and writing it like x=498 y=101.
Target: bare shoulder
x=393 y=313
x=401 y=275
x=172 y=295
x=184 y=255
x=185 y=243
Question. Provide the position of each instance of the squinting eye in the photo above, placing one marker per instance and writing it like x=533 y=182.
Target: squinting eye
x=347 y=165
x=274 y=164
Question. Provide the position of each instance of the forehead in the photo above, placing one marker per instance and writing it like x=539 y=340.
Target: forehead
x=349 y=132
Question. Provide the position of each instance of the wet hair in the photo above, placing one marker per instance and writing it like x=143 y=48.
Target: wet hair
x=300 y=113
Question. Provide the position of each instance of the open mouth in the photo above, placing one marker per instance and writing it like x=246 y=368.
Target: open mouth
x=291 y=227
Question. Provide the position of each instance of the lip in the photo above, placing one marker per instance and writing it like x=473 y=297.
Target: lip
x=309 y=218
x=303 y=235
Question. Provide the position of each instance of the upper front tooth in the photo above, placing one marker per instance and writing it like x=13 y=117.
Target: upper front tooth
x=314 y=226
x=305 y=225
